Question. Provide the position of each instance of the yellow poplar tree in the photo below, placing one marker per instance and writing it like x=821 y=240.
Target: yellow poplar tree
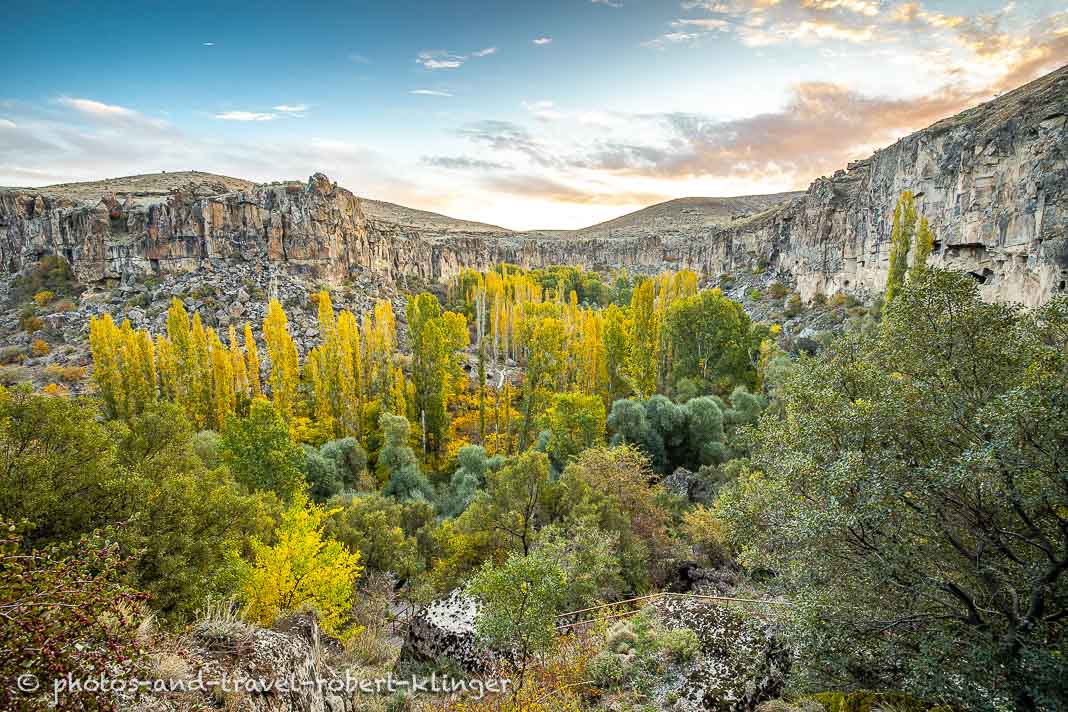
x=285 y=374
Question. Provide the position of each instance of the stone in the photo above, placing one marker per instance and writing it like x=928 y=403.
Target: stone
x=743 y=660
x=446 y=629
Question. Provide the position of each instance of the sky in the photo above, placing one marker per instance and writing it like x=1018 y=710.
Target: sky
x=550 y=114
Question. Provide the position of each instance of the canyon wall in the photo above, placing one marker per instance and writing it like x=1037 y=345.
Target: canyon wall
x=993 y=181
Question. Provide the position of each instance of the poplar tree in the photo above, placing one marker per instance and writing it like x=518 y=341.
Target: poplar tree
x=901 y=235
x=283 y=354
x=252 y=355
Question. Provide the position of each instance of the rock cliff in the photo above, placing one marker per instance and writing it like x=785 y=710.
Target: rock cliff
x=992 y=180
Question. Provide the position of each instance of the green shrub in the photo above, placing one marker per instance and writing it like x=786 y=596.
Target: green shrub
x=868 y=701
x=50 y=274
x=12 y=355
x=793 y=305
x=682 y=644
x=606 y=670
x=754 y=294
x=777 y=290
x=819 y=299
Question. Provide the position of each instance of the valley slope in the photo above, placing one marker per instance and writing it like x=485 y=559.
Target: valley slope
x=992 y=180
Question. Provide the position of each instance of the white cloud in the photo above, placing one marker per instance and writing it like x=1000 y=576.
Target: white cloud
x=609 y=3
x=245 y=116
x=358 y=58
x=97 y=108
x=485 y=52
x=544 y=110
x=543 y=40
x=208 y=44
x=7 y=124
x=440 y=59
x=291 y=108
x=429 y=92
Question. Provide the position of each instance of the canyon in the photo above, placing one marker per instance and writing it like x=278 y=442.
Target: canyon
x=993 y=182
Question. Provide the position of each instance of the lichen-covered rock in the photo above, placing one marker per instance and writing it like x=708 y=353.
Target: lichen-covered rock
x=446 y=629
x=743 y=661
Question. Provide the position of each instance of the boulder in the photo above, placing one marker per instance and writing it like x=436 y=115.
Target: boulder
x=743 y=660
x=446 y=629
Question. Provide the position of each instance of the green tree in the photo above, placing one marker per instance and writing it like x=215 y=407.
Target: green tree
x=710 y=339
x=901 y=236
x=397 y=461
x=918 y=476
x=61 y=468
x=545 y=363
x=374 y=526
x=924 y=247
x=520 y=600
x=644 y=340
x=260 y=452
x=575 y=422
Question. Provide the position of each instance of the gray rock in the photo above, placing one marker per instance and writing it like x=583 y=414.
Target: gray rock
x=446 y=629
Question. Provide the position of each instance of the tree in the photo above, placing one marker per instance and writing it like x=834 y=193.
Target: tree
x=710 y=340
x=285 y=368
x=469 y=478
x=374 y=526
x=545 y=362
x=520 y=600
x=901 y=235
x=61 y=469
x=260 y=452
x=613 y=489
x=644 y=340
x=397 y=461
x=514 y=501
x=924 y=247
x=302 y=568
x=918 y=476
x=575 y=423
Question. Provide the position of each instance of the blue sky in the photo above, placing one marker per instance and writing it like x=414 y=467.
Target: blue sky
x=552 y=114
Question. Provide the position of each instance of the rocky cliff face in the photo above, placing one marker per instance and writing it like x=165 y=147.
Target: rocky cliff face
x=993 y=181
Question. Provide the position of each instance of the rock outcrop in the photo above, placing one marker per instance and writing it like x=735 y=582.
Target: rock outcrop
x=742 y=662
x=993 y=181
x=445 y=629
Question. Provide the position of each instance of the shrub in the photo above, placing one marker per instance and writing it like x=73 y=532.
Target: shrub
x=66 y=612
x=30 y=322
x=54 y=389
x=51 y=273
x=304 y=569
x=793 y=305
x=682 y=644
x=606 y=670
x=67 y=374
x=777 y=290
x=11 y=355
x=44 y=297
x=40 y=347
x=819 y=299
x=13 y=375
x=754 y=294
x=63 y=306
x=868 y=701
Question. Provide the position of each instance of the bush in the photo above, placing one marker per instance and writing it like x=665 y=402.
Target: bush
x=30 y=322
x=13 y=375
x=11 y=355
x=606 y=670
x=67 y=374
x=66 y=612
x=51 y=273
x=682 y=644
x=63 y=306
x=777 y=290
x=40 y=347
x=867 y=701
x=44 y=297
x=819 y=299
x=793 y=305
x=754 y=294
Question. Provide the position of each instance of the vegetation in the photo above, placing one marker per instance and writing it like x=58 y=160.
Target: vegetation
x=555 y=440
